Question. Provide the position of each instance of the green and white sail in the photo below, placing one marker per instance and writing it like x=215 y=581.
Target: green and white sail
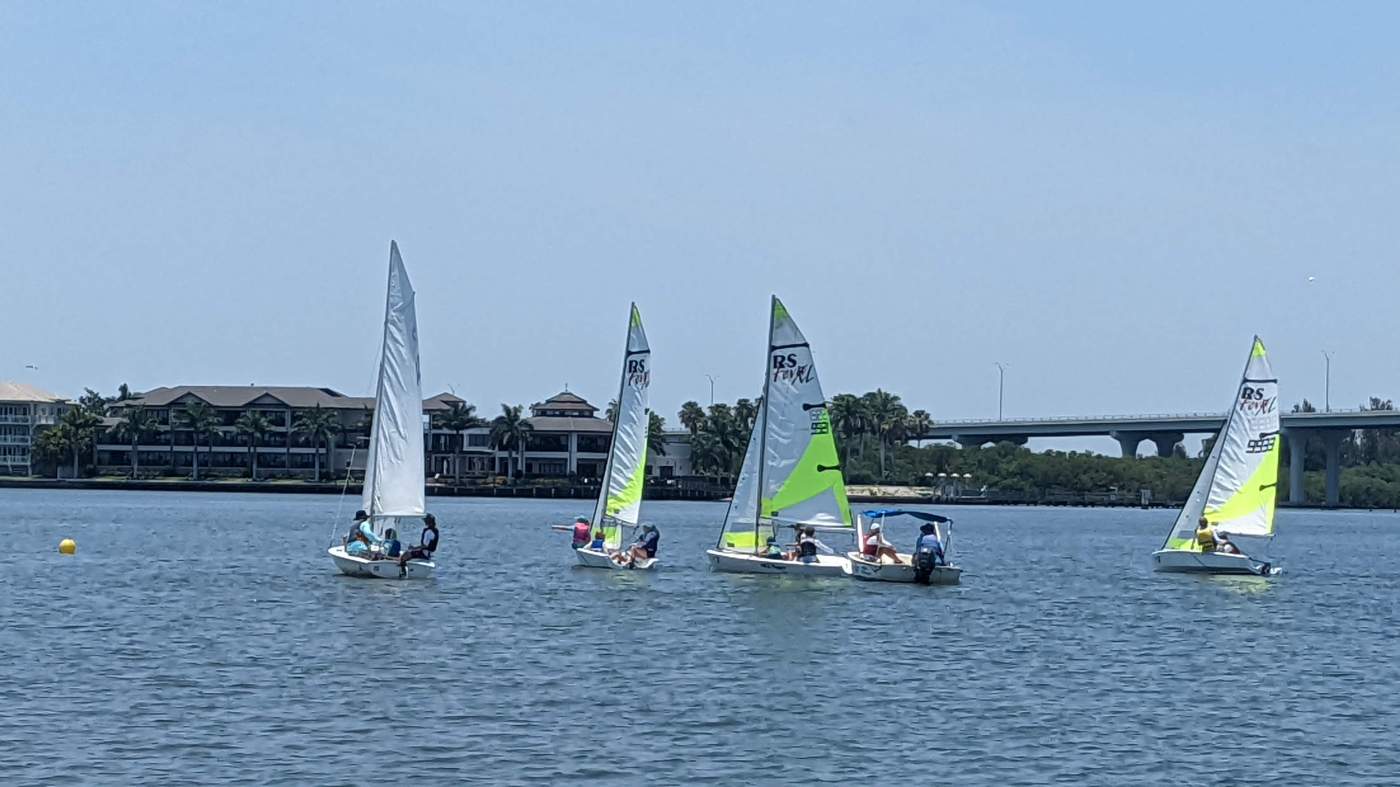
x=1238 y=486
x=791 y=473
x=394 y=485
x=620 y=500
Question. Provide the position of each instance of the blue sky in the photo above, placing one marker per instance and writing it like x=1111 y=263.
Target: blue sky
x=1109 y=198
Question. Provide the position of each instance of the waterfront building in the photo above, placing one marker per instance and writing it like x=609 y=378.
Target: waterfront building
x=23 y=410
x=567 y=439
x=281 y=452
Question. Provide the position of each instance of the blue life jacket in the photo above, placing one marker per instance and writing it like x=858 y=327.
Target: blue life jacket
x=429 y=540
x=649 y=541
x=807 y=547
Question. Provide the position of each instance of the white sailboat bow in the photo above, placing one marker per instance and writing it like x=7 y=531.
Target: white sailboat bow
x=619 y=505
x=791 y=475
x=393 y=493
x=1237 y=489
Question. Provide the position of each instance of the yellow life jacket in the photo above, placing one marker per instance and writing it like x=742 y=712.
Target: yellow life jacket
x=1205 y=539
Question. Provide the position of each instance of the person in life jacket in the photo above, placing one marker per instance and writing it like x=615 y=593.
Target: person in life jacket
x=808 y=545
x=1205 y=535
x=582 y=532
x=876 y=547
x=427 y=544
x=772 y=551
x=599 y=542
x=361 y=538
x=644 y=547
x=392 y=548
x=928 y=553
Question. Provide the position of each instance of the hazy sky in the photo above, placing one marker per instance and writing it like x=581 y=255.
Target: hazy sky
x=1109 y=198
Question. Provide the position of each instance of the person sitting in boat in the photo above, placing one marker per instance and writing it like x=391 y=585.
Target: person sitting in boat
x=427 y=544
x=644 y=547
x=877 y=547
x=773 y=551
x=928 y=546
x=361 y=538
x=808 y=545
x=1224 y=545
x=1205 y=535
x=390 y=548
x=599 y=542
x=581 y=530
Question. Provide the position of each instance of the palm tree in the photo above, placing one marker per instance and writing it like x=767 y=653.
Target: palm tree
x=886 y=417
x=692 y=417
x=458 y=418
x=320 y=426
x=745 y=411
x=847 y=413
x=255 y=425
x=136 y=423
x=656 y=428
x=509 y=430
x=200 y=419
x=707 y=455
x=82 y=424
x=920 y=422
x=611 y=412
x=52 y=445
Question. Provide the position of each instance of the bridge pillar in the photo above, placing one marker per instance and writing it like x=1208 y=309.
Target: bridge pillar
x=1332 y=443
x=1128 y=441
x=1166 y=441
x=1297 y=452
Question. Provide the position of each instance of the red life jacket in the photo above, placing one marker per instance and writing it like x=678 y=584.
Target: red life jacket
x=583 y=532
x=870 y=549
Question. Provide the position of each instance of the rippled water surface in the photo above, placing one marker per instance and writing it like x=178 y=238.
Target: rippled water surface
x=206 y=638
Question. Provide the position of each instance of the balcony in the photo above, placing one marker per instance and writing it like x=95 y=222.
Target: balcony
x=22 y=420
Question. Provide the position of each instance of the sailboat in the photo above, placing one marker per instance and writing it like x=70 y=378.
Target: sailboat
x=791 y=476
x=394 y=480
x=1236 y=491
x=619 y=503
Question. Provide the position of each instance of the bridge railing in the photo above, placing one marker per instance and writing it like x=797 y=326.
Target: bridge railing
x=1050 y=419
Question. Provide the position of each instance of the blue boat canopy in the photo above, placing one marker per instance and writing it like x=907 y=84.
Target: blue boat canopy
x=881 y=513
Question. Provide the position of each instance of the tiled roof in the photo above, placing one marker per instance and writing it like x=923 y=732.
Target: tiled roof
x=19 y=392
x=557 y=423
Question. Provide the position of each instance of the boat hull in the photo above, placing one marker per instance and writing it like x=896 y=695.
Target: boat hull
x=887 y=571
x=741 y=563
x=355 y=566
x=595 y=559
x=1180 y=561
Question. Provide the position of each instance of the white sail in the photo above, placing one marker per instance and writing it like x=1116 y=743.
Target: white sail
x=1237 y=490
x=620 y=500
x=739 y=531
x=798 y=481
x=394 y=479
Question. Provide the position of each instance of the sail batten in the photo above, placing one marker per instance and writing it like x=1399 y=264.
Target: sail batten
x=791 y=473
x=394 y=477
x=620 y=499
x=1238 y=486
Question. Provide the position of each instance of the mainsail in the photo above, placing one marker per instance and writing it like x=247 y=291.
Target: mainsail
x=1238 y=486
x=394 y=470
x=620 y=501
x=791 y=473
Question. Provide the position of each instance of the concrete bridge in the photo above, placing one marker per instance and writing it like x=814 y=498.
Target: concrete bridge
x=1165 y=431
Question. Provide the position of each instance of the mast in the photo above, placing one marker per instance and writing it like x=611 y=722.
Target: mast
x=763 y=436
x=601 y=512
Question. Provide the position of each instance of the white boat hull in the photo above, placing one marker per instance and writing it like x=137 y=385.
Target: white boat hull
x=355 y=566
x=888 y=571
x=1183 y=562
x=743 y=563
x=595 y=559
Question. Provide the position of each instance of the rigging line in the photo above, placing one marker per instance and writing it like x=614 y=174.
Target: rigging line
x=345 y=488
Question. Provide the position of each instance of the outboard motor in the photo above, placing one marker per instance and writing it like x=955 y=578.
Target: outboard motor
x=925 y=561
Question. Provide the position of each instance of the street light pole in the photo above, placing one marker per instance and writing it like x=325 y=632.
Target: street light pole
x=1001 y=387
x=712 y=389
x=1327 y=390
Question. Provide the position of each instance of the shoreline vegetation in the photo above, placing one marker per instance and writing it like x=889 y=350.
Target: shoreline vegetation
x=879 y=439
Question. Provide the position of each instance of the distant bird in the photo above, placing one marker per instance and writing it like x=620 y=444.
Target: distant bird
x=31 y=366
x=1312 y=278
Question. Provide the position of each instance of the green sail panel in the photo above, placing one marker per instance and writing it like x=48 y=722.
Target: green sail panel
x=620 y=500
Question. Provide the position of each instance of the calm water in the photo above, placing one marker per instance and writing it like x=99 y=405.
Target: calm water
x=206 y=638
